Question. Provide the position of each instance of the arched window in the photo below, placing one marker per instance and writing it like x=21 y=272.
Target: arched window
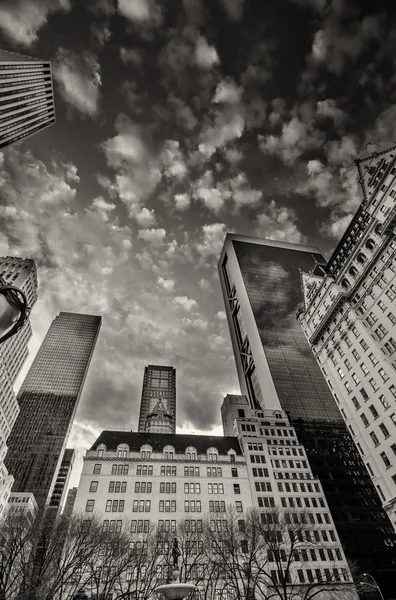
x=370 y=244
x=101 y=449
x=361 y=258
x=353 y=271
x=345 y=283
x=378 y=229
x=191 y=453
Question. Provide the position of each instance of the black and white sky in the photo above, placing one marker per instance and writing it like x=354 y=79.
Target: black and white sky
x=176 y=122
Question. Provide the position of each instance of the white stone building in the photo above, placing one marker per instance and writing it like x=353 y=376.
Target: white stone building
x=13 y=353
x=135 y=479
x=349 y=318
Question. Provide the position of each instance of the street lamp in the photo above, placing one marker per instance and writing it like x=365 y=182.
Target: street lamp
x=14 y=310
x=373 y=585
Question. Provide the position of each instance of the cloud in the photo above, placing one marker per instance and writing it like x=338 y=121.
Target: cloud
x=187 y=303
x=226 y=128
x=20 y=20
x=228 y=92
x=328 y=108
x=221 y=315
x=167 y=284
x=182 y=202
x=204 y=284
x=79 y=80
x=131 y=56
x=152 y=236
x=233 y=9
x=212 y=240
x=278 y=223
x=141 y=12
x=206 y=56
x=146 y=218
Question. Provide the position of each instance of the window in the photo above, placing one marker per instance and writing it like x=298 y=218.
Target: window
x=348 y=364
x=393 y=390
x=355 y=403
x=348 y=387
x=365 y=420
x=363 y=344
x=384 y=430
x=93 y=486
x=364 y=369
x=374 y=411
x=237 y=489
x=380 y=332
x=97 y=469
x=355 y=378
x=383 y=374
x=374 y=384
x=168 y=487
x=167 y=505
x=192 y=506
x=340 y=373
x=392 y=318
x=89 y=505
x=374 y=438
x=234 y=472
x=169 y=471
x=384 y=401
x=385 y=459
x=238 y=506
x=356 y=354
x=371 y=319
x=364 y=394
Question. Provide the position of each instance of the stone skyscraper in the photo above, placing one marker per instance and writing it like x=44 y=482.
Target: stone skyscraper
x=158 y=403
x=48 y=400
x=13 y=353
x=261 y=284
x=26 y=96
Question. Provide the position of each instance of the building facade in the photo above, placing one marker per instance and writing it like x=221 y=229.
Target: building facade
x=158 y=401
x=48 y=400
x=26 y=97
x=13 y=354
x=131 y=480
x=261 y=284
x=62 y=480
x=69 y=503
x=349 y=317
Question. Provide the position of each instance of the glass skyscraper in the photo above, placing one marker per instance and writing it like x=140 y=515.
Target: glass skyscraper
x=26 y=97
x=261 y=284
x=48 y=400
x=158 y=402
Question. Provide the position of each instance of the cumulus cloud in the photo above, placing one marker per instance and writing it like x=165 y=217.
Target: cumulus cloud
x=152 y=236
x=278 y=223
x=221 y=315
x=182 y=201
x=226 y=128
x=212 y=240
x=79 y=80
x=206 y=56
x=131 y=56
x=185 y=302
x=146 y=218
x=21 y=20
x=228 y=92
x=167 y=284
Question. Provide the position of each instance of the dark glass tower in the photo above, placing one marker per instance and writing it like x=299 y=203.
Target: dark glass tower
x=26 y=97
x=158 y=402
x=48 y=401
x=261 y=285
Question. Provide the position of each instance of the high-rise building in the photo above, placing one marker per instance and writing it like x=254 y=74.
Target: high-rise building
x=26 y=97
x=158 y=403
x=69 y=503
x=261 y=284
x=21 y=273
x=349 y=318
x=62 y=480
x=48 y=400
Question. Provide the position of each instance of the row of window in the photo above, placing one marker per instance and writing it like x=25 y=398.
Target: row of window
x=171 y=471
x=300 y=502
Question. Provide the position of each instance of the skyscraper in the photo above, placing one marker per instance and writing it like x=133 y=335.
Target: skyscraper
x=48 y=400
x=26 y=97
x=13 y=353
x=349 y=318
x=261 y=284
x=158 y=402
x=62 y=480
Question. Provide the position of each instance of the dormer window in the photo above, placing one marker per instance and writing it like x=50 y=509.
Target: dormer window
x=145 y=452
x=370 y=244
x=100 y=449
x=232 y=457
x=361 y=258
x=191 y=453
x=345 y=283
x=353 y=271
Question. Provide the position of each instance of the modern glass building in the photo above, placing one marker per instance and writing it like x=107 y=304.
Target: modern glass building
x=26 y=97
x=48 y=400
x=261 y=285
x=158 y=402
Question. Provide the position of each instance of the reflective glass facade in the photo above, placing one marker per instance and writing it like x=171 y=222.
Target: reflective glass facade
x=159 y=383
x=48 y=400
x=272 y=280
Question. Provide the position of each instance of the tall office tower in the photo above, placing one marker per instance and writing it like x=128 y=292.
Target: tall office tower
x=158 y=403
x=69 y=503
x=26 y=97
x=13 y=353
x=349 y=318
x=261 y=284
x=62 y=480
x=48 y=400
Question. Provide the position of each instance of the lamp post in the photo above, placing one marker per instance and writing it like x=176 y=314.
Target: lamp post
x=14 y=310
x=373 y=585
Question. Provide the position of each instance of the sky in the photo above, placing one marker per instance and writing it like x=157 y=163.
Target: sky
x=177 y=122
